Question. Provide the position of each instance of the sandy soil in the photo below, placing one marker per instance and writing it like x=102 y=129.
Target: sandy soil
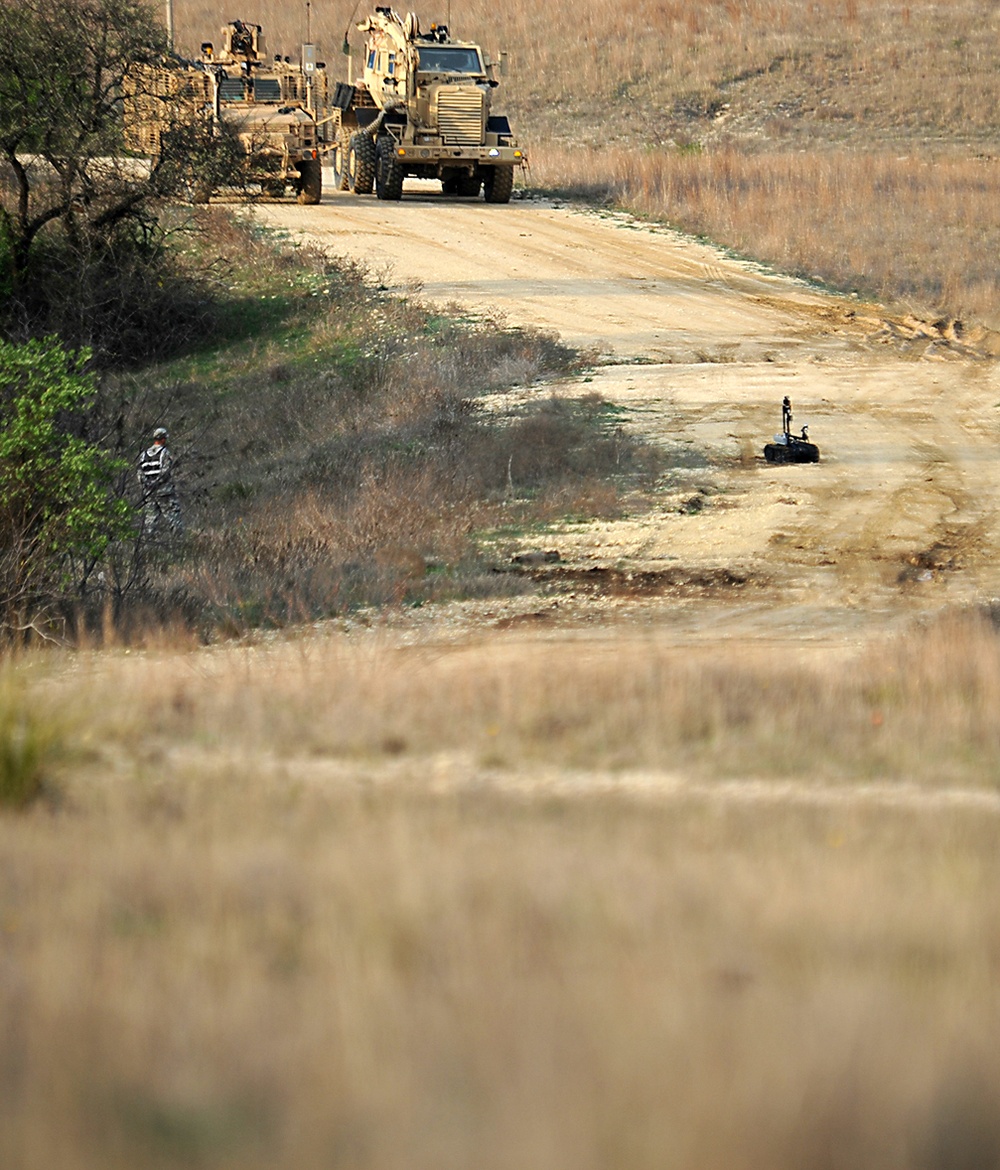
x=899 y=518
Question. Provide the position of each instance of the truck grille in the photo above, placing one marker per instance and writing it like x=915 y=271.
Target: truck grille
x=232 y=89
x=460 y=117
x=266 y=89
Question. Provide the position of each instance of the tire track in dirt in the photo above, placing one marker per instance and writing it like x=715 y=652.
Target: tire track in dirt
x=608 y=281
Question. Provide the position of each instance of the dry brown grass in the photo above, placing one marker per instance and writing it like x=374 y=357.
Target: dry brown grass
x=346 y=902
x=333 y=453
x=332 y=902
x=917 y=61
x=918 y=230
x=920 y=710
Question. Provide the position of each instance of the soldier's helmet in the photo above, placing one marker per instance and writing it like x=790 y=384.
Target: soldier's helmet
x=160 y=433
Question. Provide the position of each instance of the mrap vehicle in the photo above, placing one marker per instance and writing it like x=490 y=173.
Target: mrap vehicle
x=424 y=107
x=276 y=109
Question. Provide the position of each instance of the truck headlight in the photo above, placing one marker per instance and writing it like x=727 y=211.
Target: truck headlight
x=494 y=153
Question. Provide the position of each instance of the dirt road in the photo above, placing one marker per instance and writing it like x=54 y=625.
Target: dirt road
x=899 y=517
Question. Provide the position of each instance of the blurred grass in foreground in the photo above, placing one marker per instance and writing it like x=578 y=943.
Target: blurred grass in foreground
x=924 y=708
x=319 y=903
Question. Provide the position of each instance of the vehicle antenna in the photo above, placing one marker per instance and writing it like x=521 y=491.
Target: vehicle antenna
x=347 y=29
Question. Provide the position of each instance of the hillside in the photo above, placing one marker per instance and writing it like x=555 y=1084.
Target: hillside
x=763 y=73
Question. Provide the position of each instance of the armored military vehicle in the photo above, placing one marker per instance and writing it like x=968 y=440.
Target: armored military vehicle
x=277 y=110
x=424 y=107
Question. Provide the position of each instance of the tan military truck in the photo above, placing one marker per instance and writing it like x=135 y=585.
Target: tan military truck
x=424 y=107
x=277 y=110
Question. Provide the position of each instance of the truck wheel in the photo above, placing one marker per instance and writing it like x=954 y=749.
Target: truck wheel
x=201 y=192
x=498 y=184
x=388 y=171
x=341 y=177
x=310 y=181
x=361 y=164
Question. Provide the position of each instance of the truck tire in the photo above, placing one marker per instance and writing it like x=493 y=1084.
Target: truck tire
x=388 y=171
x=310 y=181
x=361 y=164
x=341 y=177
x=498 y=183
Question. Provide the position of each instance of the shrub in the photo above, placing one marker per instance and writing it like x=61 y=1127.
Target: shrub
x=58 y=512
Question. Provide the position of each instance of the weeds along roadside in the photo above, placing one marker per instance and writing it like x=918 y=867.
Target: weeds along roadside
x=913 y=231
x=330 y=451
x=919 y=708
x=251 y=918
x=239 y=886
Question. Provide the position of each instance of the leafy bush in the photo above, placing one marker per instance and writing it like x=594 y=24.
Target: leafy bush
x=123 y=296
x=58 y=510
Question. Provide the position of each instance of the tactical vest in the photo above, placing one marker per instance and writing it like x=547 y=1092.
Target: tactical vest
x=154 y=466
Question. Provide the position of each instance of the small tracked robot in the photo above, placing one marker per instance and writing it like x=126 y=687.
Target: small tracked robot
x=789 y=448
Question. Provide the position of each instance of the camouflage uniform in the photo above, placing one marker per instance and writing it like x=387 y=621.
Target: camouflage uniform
x=159 y=495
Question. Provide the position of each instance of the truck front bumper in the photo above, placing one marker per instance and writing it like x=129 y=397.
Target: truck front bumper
x=484 y=156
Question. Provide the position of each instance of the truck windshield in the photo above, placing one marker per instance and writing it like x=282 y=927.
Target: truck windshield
x=448 y=59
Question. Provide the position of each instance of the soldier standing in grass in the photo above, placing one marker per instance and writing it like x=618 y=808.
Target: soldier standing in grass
x=159 y=495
